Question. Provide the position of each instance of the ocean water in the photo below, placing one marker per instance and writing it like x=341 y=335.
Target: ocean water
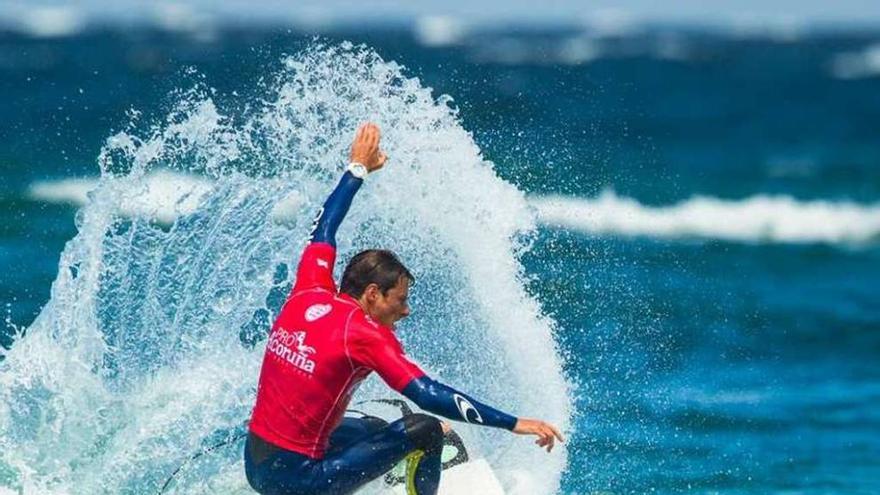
x=666 y=241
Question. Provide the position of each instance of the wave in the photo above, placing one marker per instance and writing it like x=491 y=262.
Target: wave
x=149 y=347
x=163 y=195
x=857 y=65
x=438 y=30
x=44 y=21
x=760 y=218
x=166 y=195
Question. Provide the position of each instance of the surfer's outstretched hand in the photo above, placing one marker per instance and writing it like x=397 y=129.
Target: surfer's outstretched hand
x=365 y=148
x=546 y=433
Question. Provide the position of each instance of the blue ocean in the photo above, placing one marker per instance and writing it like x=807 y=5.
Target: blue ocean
x=662 y=240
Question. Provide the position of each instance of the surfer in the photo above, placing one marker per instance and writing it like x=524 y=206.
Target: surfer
x=324 y=343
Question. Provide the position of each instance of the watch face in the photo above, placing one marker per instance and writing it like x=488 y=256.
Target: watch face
x=358 y=170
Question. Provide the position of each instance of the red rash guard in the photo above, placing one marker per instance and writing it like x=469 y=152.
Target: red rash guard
x=320 y=349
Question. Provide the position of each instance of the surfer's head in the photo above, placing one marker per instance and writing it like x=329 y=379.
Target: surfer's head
x=380 y=283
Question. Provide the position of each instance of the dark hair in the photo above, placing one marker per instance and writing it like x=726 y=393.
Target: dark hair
x=373 y=266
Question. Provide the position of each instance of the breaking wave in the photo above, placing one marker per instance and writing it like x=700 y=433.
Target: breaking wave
x=759 y=218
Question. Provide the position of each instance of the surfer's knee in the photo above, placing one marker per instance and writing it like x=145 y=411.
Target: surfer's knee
x=424 y=431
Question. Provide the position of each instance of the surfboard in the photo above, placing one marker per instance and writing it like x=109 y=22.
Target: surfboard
x=474 y=476
x=462 y=473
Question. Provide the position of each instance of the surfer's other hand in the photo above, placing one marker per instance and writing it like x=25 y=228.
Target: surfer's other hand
x=547 y=434
x=365 y=147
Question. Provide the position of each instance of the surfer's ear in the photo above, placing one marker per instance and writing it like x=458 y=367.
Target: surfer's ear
x=372 y=292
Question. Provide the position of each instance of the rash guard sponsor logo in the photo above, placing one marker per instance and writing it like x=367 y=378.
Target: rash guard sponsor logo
x=316 y=311
x=291 y=347
x=324 y=263
x=315 y=223
x=464 y=406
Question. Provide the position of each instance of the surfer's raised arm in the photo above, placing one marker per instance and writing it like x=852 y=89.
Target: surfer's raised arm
x=365 y=157
x=316 y=263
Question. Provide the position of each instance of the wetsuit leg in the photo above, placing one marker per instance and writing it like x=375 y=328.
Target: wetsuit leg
x=344 y=470
x=423 y=472
x=350 y=430
x=271 y=470
x=375 y=454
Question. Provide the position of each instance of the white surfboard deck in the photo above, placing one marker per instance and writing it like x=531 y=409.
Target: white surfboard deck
x=475 y=476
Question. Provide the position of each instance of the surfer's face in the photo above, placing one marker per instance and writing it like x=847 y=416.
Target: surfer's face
x=390 y=307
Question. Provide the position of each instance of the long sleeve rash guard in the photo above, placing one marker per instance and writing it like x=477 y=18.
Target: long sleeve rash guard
x=425 y=392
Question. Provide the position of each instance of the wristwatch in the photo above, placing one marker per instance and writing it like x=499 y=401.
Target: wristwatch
x=358 y=170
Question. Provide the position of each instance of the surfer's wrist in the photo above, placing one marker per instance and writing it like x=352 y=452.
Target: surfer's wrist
x=357 y=170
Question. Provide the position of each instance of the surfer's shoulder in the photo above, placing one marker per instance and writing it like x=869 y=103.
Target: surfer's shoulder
x=360 y=327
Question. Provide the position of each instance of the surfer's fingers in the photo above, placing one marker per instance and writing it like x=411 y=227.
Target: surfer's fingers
x=366 y=135
x=556 y=433
x=547 y=441
x=543 y=439
x=549 y=435
x=372 y=133
x=548 y=438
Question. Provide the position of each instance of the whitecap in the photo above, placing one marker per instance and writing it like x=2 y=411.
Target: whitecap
x=438 y=30
x=162 y=195
x=759 y=218
x=51 y=21
x=857 y=65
